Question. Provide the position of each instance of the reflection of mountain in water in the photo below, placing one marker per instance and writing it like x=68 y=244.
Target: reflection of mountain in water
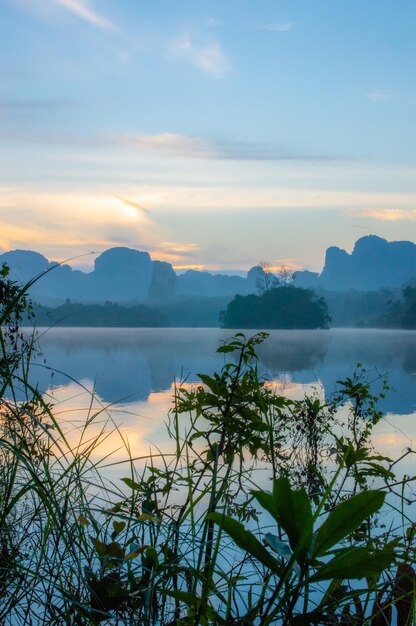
x=387 y=352
x=128 y=364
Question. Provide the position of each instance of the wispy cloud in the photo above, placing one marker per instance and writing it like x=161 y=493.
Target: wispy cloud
x=175 y=252
x=280 y=27
x=172 y=144
x=209 y=57
x=220 y=149
x=31 y=218
x=379 y=95
x=84 y=10
x=389 y=215
x=62 y=225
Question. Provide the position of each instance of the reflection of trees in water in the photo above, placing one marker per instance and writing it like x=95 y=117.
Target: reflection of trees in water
x=409 y=361
x=293 y=351
x=131 y=363
x=381 y=352
x=126 y=364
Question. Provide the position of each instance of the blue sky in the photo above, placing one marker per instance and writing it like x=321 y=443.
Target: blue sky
x=249 y=131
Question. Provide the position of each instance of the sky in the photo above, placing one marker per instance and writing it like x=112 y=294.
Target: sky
x=243 y=130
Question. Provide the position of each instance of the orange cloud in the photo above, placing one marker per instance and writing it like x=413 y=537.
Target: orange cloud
x=389 y=215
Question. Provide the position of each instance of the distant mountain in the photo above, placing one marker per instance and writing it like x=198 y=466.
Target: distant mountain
x=374 y=263
x=125 y=275
x=120 y=275
x=194 y=283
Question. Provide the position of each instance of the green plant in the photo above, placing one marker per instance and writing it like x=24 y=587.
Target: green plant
x=195 y=536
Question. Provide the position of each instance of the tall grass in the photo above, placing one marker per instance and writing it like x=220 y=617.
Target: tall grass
x=269 y=511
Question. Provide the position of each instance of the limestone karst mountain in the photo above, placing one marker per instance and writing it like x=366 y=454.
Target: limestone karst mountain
x=125 y=275
x=374 y=263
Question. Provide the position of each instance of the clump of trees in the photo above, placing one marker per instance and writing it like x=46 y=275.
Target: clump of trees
x=409 y=305
x=268 y=279
x=278 y=307
x=109 y=314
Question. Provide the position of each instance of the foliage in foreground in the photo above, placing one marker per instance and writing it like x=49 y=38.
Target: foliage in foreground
x=268 y=511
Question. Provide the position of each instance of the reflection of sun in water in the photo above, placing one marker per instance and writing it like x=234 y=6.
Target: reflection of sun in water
x=139 y=428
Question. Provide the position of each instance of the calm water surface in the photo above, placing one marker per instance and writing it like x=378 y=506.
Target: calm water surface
x=132 y=372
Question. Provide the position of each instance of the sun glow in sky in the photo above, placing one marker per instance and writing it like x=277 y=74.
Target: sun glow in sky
x=249 y=131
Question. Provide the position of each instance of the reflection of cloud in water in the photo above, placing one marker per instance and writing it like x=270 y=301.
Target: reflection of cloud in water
x=141 y=426
x=130 y=364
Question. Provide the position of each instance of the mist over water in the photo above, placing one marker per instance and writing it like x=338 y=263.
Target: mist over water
x=126 y=365
x=127 y=376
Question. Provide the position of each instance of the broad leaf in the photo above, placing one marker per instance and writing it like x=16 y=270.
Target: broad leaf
x=267 y=501
x=345 y=518
x=246 y=540
x=355 y=563
x=294 y=514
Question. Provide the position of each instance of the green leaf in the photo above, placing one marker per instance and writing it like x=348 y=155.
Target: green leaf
x=118 y=527
x=186 y=597
x=132 y=484
x=210 y=383
x=100 y=547
x=355 y=563
x=267 y=501
x=225 y=349
x=246 y=540
x=115 y=550
x=294 y=514
x=146 y=517
x=345 y=518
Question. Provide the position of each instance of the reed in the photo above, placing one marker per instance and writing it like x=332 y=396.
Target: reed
x=269 y=511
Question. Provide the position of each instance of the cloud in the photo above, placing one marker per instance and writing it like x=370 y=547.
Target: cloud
x=209 y=57
x=379 y=95
x=67 y=224
x=174 y=143
x=83 y=10
x=222 y=149
x=389 y=215
x=175 y=252
x=222 y=197
x=281 y=27
x=285 y=264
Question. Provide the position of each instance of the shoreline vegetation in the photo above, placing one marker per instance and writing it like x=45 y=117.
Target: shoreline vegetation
x=373 y=287
x=283 y=307
x=268 y=511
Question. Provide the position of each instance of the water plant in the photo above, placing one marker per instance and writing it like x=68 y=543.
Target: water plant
x=268 y=510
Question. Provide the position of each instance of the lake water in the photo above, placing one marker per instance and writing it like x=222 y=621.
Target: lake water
x=131 y=373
